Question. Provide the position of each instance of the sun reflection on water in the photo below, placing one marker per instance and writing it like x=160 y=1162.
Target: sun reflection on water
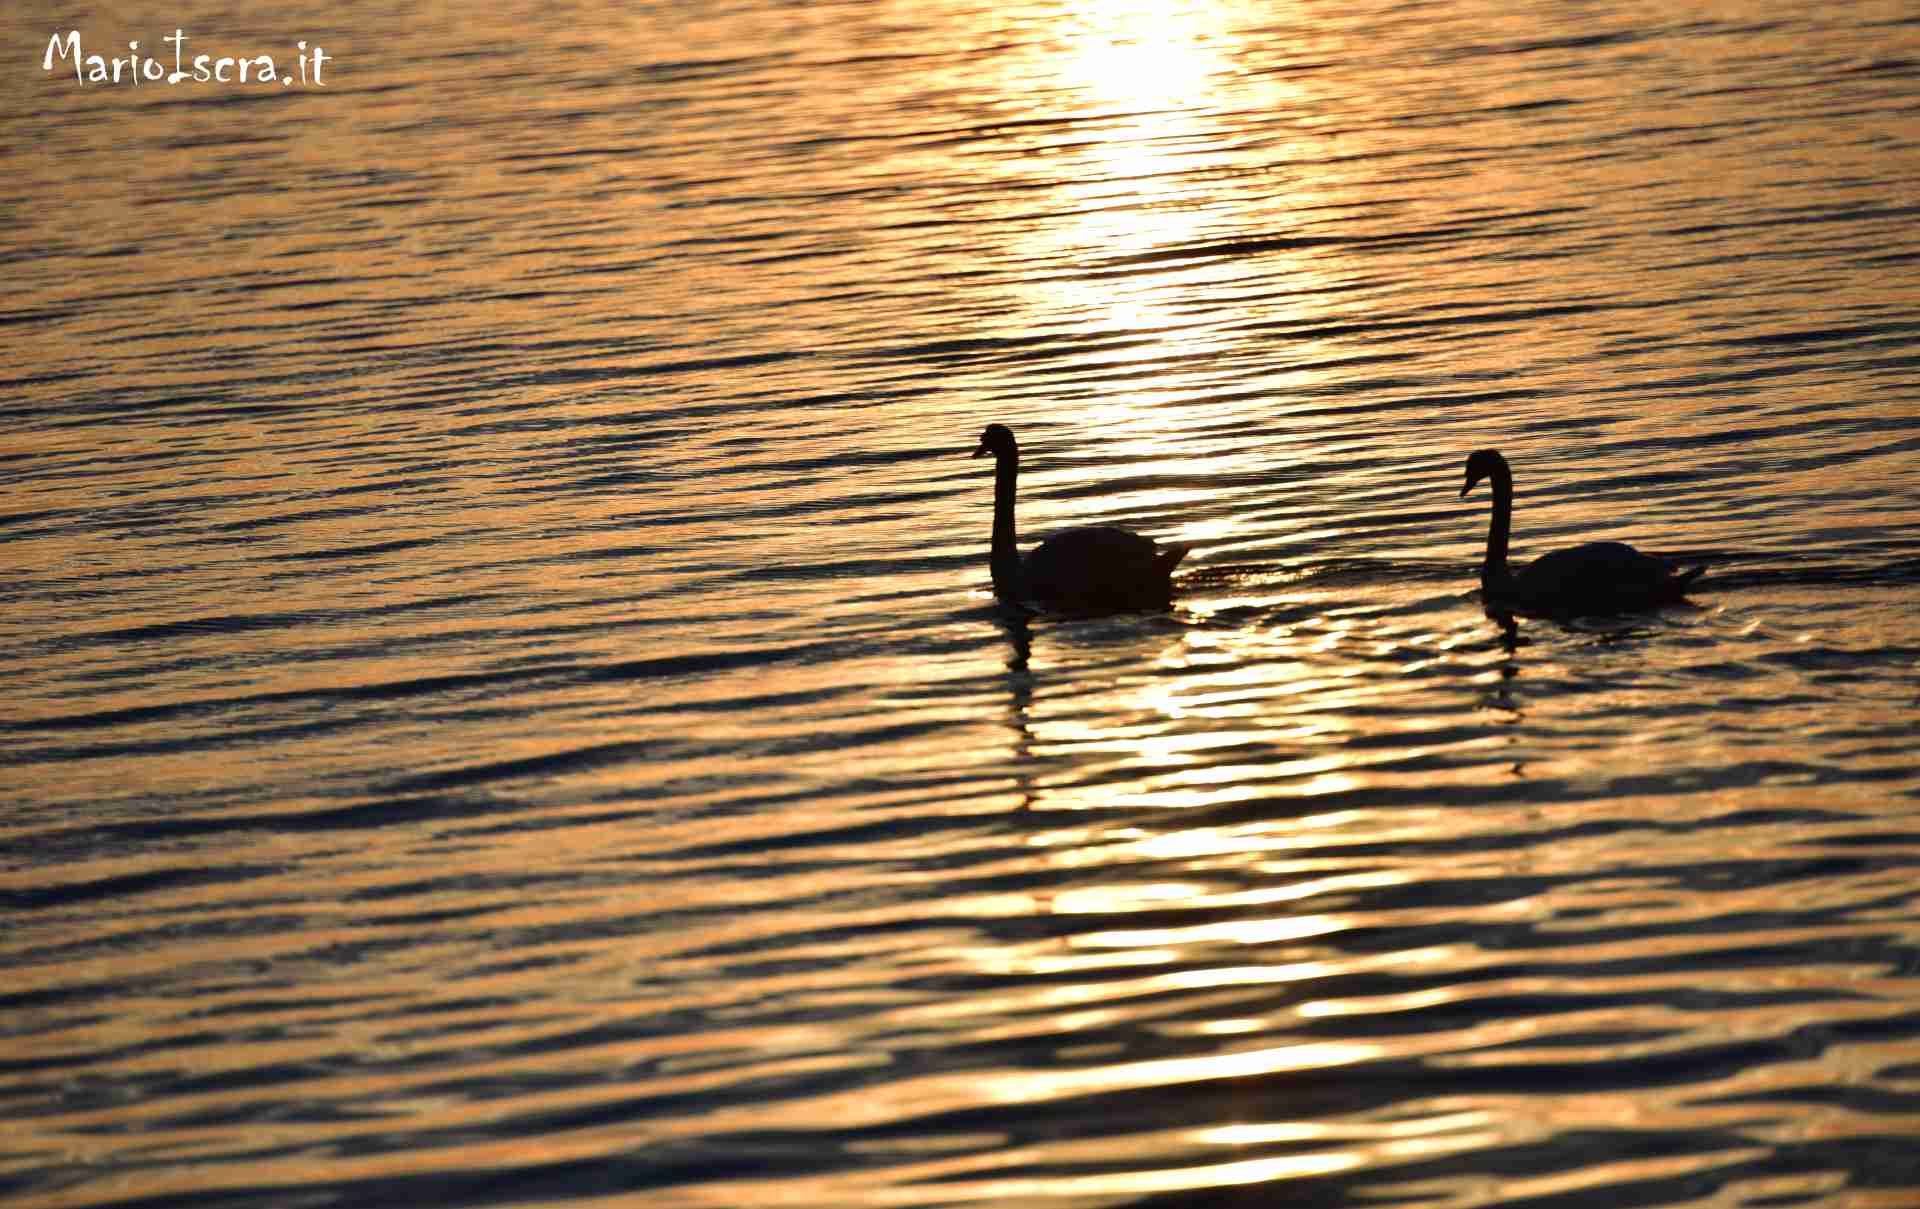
x=1136 y=103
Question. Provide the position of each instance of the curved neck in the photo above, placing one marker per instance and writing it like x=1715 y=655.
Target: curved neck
x=1006 y=549
x=1493 y=571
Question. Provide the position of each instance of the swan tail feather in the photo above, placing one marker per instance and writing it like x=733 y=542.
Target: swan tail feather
x=1168 y=556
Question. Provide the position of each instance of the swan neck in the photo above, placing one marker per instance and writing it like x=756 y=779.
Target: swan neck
x=1006 y=547
x=1493 y=572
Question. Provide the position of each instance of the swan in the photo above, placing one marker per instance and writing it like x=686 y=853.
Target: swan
x=1098 y=569
x=1599 y=577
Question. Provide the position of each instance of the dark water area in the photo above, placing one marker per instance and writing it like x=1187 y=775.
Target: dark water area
x=504 y=702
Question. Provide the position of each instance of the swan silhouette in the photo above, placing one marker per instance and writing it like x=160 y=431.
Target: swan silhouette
x=1098 y=569
x=1599 y=577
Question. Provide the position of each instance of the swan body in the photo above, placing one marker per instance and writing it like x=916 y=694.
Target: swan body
x=1599 y=577
x=1097 y=569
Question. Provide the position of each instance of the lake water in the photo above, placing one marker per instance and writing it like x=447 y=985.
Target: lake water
x=503 y=702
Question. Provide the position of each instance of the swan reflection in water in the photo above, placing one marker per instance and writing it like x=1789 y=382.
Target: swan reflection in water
x=1598 y=577
x=1097 y=569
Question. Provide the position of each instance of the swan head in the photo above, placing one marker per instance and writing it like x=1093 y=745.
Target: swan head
x=998 y=441
x=1484 y=464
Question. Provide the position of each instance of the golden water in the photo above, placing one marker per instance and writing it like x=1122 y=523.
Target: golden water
x=504 y=706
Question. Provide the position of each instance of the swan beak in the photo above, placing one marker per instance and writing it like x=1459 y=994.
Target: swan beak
x=981 y=450
x=1471 y=484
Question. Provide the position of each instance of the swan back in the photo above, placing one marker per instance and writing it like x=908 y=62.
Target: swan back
x=1599 y=577
x=1102 y=568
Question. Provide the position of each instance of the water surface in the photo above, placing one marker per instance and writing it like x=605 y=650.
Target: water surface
x=504 y=704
